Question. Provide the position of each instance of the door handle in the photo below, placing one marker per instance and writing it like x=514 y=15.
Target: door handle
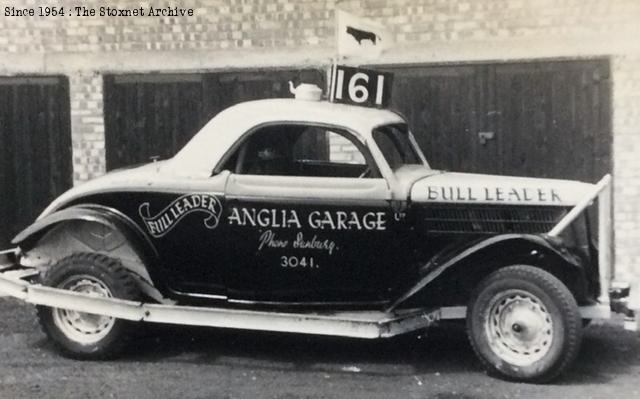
x=483 y=137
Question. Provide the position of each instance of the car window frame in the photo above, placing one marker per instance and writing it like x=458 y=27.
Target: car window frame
x=350 y=134
x=413 y=144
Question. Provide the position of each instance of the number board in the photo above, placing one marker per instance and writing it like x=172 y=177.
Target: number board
x=359 y=86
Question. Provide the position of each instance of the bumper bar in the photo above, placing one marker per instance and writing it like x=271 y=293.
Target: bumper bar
x=358 y=324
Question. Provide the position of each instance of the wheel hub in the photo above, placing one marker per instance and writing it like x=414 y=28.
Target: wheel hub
x=519 y=327
x=82 y=327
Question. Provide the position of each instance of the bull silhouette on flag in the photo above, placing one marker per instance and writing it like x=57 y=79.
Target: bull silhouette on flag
x=360 y=38
x=359 y=35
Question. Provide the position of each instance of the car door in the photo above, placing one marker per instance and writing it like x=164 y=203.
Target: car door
x=309 y=218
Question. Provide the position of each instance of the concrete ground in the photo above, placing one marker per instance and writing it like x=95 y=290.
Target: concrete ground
x=172 y=362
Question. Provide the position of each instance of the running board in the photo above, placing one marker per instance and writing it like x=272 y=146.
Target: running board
x=358 y=324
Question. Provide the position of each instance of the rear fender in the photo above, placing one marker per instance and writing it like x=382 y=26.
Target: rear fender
x=88 y=228
x=498 y=251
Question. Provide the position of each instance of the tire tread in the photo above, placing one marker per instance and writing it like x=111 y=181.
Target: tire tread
x=126 y=285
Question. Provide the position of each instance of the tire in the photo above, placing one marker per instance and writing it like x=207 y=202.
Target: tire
x=524 y=324
x=82 y=335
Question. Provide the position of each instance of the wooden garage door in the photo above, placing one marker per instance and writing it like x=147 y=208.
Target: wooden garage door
x=156 y=114
x=544 y=119
x=35 y=148
x=149 y=115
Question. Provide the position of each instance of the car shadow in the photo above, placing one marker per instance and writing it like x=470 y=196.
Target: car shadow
x=443 y=349
x=607 y=350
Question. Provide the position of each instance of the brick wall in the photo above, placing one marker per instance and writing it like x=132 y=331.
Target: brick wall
x=267 y=33
x=214 y=25
x=87 y=125
x=342 y=150
x=268 y=24
x=428 y=20
x=626 y=162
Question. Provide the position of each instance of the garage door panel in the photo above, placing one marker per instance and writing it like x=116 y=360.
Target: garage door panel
x=525 y=119
x=555 y=119
x=440 y=104
x=35 y=141
x=545 y=119
x=149 y=115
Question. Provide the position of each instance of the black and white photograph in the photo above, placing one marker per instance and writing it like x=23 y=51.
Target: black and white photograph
x=306 y=199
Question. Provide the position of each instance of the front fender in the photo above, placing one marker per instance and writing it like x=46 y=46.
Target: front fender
x=532 y=245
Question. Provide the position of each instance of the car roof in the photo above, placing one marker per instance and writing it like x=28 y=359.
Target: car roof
x=209 y=145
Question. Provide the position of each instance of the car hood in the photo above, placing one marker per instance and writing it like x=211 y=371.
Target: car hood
x=447 y=187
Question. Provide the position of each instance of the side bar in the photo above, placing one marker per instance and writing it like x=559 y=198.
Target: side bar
x=605 y=242
x=357 y=324
x=614 y=296
x=580 y=207
x=602 y=191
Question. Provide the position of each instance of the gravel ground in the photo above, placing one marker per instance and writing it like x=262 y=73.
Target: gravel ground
x=172 y=362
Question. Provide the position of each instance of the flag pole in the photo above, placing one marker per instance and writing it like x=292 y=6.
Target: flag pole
x=336 y=52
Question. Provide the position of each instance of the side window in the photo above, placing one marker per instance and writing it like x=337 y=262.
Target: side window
x=266 y=152
x=312 y=145
x=322 y=145
x=298 y=150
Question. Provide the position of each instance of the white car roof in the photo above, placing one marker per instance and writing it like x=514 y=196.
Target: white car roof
x=208 y=146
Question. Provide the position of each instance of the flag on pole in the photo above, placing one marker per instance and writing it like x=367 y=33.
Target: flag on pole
x=360 y=38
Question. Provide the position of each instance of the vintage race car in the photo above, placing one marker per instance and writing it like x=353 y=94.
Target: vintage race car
x=308 y=216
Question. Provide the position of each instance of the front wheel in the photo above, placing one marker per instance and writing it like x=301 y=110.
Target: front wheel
x=83 y=335
x=524 y=324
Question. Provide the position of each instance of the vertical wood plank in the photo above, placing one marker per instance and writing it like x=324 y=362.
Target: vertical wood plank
x=550 y=119
x=441 y=104
x=35 y=136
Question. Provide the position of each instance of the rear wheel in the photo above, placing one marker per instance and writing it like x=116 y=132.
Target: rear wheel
x=84 y=335
x=524 y=324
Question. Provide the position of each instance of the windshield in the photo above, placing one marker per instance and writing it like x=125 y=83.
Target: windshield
x=397 y=145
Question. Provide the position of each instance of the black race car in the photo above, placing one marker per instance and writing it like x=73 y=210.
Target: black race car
x=309 y=216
